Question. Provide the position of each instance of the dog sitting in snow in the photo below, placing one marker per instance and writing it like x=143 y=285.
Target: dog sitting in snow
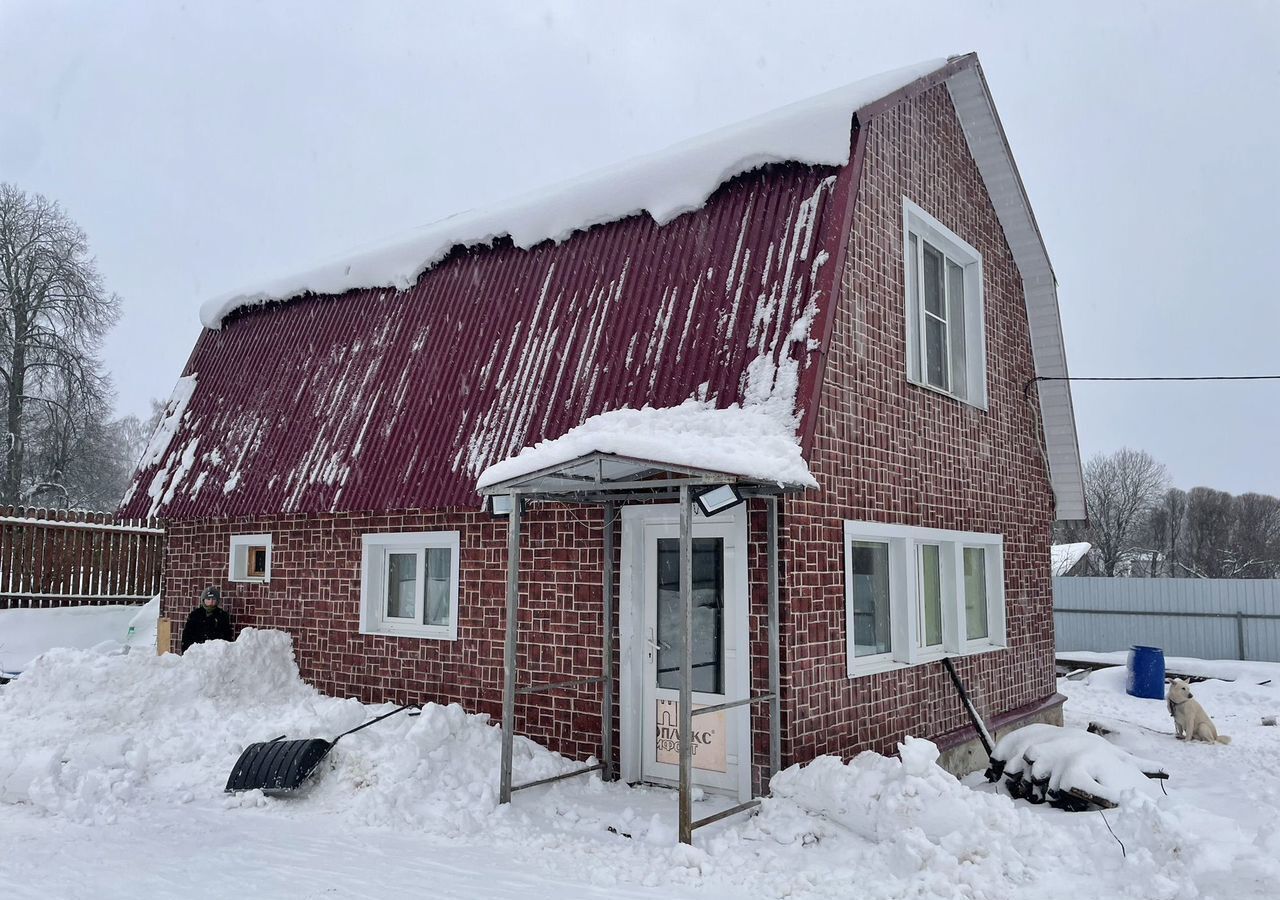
x=1190 y=720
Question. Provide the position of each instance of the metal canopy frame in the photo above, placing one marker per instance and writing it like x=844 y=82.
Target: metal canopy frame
x=606 y=479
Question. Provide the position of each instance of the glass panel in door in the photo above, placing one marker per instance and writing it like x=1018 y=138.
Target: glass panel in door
x=708 y=614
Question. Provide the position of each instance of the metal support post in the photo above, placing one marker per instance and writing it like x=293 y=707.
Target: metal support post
x=686 y=666
x=775 y=676
x=1239 y=635
x=606 y=700
x=509 y=646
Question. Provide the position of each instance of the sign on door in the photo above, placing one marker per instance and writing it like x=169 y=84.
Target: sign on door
x=708 y=738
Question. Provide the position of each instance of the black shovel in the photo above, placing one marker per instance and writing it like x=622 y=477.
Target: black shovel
x=278 y=767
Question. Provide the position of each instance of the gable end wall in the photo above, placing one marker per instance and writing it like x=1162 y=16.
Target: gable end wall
x=888 y=451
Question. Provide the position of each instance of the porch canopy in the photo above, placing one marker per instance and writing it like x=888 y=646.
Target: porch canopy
x=693 y=453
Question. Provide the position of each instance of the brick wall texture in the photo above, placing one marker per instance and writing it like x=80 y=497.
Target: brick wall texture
x=889 y=451
x=884 y=450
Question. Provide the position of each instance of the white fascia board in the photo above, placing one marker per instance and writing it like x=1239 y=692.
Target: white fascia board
x=990 y=149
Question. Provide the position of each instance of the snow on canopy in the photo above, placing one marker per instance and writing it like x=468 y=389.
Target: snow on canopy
x=665 y=184
x=738 y=440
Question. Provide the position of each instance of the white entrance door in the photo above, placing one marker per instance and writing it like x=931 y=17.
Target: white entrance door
x=719 y=649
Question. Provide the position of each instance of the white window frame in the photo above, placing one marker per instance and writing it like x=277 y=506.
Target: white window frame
x=375 y=549
x=238 y=558
x=905 y=597
x=929 y=230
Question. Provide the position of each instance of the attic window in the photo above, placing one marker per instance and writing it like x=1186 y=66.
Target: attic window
x=250 y=557
x=946 y=344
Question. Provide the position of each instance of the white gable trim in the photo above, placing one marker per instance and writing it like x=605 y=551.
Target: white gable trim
x=990 y=149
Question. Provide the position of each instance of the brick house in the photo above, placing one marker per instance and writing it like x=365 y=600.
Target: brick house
x=319 y=460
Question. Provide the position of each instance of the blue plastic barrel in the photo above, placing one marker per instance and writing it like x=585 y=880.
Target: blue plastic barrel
x=1146 y=672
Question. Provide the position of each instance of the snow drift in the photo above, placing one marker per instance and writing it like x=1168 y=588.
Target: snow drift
x=87 y=736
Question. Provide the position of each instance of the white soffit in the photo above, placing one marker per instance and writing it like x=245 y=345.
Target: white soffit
x=990 y=149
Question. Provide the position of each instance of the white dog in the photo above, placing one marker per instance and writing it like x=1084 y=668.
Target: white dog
x=1190 y=720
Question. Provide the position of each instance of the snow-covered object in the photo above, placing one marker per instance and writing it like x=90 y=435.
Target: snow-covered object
x=87 y=735
x=663 y=184
x=26 y=633
x=737 y=440
x=1074 y=759
x=1063 y=557
x=1224 y=669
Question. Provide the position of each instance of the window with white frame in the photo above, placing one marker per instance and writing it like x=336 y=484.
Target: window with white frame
x=913 y=595
x=946 y=346
x=409 y=584
x=250 y=558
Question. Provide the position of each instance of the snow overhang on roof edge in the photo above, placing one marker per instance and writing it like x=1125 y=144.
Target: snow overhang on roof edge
x=664 y=184
x=971 y=98
x=752 y=442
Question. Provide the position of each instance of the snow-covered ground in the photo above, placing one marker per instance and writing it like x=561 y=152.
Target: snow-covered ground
x=112 y=768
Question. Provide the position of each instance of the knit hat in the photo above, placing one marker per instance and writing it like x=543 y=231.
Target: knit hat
x=213 y=592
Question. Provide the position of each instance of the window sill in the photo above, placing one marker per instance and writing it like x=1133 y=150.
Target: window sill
x=950 y=396
x=434 y=633
x=266 y=580
x=879 y=667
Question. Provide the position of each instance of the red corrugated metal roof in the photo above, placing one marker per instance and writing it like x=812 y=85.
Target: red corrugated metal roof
x=383 y=400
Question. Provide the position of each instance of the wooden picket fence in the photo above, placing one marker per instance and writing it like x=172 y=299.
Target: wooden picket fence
x=67 y=558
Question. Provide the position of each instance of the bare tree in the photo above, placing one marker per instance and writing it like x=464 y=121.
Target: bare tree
x=1120 y=491
x=1254 y=548
x=1210 y=521
x=54 y=312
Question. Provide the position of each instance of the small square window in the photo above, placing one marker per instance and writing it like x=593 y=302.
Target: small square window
x=250 y=557
x=410 y=584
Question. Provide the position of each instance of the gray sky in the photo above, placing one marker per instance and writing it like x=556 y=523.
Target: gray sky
x=205 y=146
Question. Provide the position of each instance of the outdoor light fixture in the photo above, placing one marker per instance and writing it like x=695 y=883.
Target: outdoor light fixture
x=499 y=505
x=718 y=499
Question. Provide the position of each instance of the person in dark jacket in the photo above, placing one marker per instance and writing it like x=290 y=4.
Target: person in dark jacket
x=207 y=622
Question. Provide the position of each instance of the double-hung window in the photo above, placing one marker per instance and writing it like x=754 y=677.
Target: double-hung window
x=409 y=584
x=946 y=347
x=918 y=594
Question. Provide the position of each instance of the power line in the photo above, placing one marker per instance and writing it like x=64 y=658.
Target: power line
x=1026 y=390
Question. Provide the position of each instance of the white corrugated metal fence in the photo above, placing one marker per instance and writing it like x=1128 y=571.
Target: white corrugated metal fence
x=1207 y=618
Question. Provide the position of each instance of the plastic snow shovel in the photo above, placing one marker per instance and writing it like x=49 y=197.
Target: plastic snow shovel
x=278 y=767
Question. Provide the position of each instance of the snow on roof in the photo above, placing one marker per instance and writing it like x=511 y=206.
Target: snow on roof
x=746 y=441
x=1063 y=557
x=664 y=184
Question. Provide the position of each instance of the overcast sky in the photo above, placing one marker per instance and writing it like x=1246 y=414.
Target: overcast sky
x=207 y=146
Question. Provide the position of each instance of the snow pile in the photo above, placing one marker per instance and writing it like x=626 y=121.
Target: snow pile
x=26 y=633
x=1073 y=759
x=905 y=827
x=664 y=184
x=1063 y=557
x=91 y=737
x=738 y=440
